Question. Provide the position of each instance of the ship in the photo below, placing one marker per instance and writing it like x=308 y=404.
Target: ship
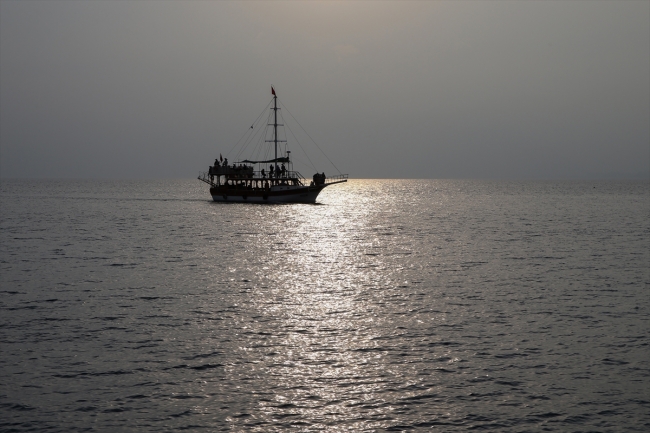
x=268 y=180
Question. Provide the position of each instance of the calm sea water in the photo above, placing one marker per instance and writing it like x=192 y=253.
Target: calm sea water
x=390 y=306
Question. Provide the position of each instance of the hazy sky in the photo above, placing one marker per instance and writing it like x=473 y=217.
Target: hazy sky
x=448 y=89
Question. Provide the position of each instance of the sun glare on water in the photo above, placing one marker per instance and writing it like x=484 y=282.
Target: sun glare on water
x=321 y=271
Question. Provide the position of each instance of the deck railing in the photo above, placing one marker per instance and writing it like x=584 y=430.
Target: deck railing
x=205 y=177
x=336 y=179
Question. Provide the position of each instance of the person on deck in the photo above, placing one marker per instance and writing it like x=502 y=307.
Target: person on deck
x=283 y=169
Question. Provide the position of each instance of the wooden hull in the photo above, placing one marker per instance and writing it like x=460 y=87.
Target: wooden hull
x=279 y=194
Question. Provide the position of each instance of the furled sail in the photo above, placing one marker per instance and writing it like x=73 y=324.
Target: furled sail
x=282 y=159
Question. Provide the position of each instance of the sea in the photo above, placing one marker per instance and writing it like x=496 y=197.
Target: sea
x=388 y=306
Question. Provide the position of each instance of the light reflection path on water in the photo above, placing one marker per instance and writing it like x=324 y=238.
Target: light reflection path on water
x=327 y=294
x=322 y=364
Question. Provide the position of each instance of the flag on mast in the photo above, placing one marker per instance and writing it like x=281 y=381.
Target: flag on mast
x=273 y=90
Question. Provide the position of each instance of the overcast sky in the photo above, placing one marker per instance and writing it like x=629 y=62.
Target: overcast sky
x=448 y=89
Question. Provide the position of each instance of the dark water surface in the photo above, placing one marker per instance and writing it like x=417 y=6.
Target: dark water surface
x=391 y=306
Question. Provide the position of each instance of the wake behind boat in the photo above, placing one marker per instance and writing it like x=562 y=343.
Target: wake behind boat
x=267 y=180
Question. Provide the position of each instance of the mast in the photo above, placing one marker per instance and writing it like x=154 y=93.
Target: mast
x=275 y=124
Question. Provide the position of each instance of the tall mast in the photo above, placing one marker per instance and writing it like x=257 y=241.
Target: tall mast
x=275 y=124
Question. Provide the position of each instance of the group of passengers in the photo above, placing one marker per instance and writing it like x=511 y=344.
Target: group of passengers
x=275 y=171
x=217 y=163
x=225 y=165
x=236 y=170
x=318 y=179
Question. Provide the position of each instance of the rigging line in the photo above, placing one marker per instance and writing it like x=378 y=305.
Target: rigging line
x=286 y=126
x=266 y=134
x=244 y=146
x=260 y=143
x=267 y=146
x=247 y=130
x=293 y=158
x=303 y=149
x=248 y=142
x=303 y=129
x=256 y=150
x=260 y=133
x=259 y=147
